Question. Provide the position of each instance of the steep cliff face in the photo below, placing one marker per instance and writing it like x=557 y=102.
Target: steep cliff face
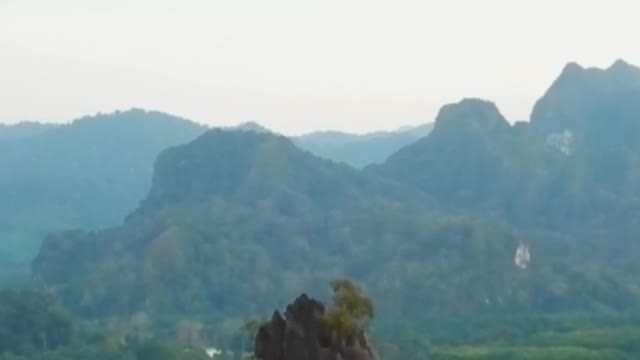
x=301 y=335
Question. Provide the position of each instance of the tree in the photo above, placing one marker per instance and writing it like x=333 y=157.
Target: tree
x=350 y=312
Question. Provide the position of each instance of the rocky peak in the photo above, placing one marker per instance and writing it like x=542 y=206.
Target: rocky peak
x=621 y=71
x=302 y=335
x=572 y=68
x=470 y=114
x=562 y=106
x=251 y=126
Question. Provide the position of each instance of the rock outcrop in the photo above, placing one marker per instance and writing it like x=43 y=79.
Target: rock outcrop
x=301 y=335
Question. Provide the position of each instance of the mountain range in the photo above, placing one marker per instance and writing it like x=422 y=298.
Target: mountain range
x=237 y=222
x=93 y=171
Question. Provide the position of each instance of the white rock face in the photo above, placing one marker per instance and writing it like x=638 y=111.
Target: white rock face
x=523 y=257
x=212 y=352
x=562 y=141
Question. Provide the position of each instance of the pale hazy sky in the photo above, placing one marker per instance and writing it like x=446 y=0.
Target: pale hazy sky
x=296 y=65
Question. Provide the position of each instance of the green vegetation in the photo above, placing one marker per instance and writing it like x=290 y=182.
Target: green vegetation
x=30 y=320
x=277 y=221
x=34 y=327
x=238 y=222
x=350 y=312
x=536 y=337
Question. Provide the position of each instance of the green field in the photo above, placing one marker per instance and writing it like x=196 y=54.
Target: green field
x=547 y=337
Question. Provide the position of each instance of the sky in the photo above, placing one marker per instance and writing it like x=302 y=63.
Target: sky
x=295 y=65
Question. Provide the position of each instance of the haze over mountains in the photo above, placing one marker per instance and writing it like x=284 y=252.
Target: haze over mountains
x=92 y=172
x=237 y=216
x=112 y=155
x=361 y=150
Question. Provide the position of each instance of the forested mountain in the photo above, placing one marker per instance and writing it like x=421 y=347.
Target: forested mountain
x=239 y=215
x=480 y=216
x=86 y=174
x=360 y=150
x=91 y=173
x=568 y=103
x=574 y=165
x=595 y=113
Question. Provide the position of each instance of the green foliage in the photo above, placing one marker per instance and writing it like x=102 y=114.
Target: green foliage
x=540 y=337
x=33 y=327
x=350 y=312
x=527 y=353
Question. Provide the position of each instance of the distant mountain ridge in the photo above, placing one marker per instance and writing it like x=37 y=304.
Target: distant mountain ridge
x=356 y=150
x=86 y=174
x=360 y=150
x=106 y=156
